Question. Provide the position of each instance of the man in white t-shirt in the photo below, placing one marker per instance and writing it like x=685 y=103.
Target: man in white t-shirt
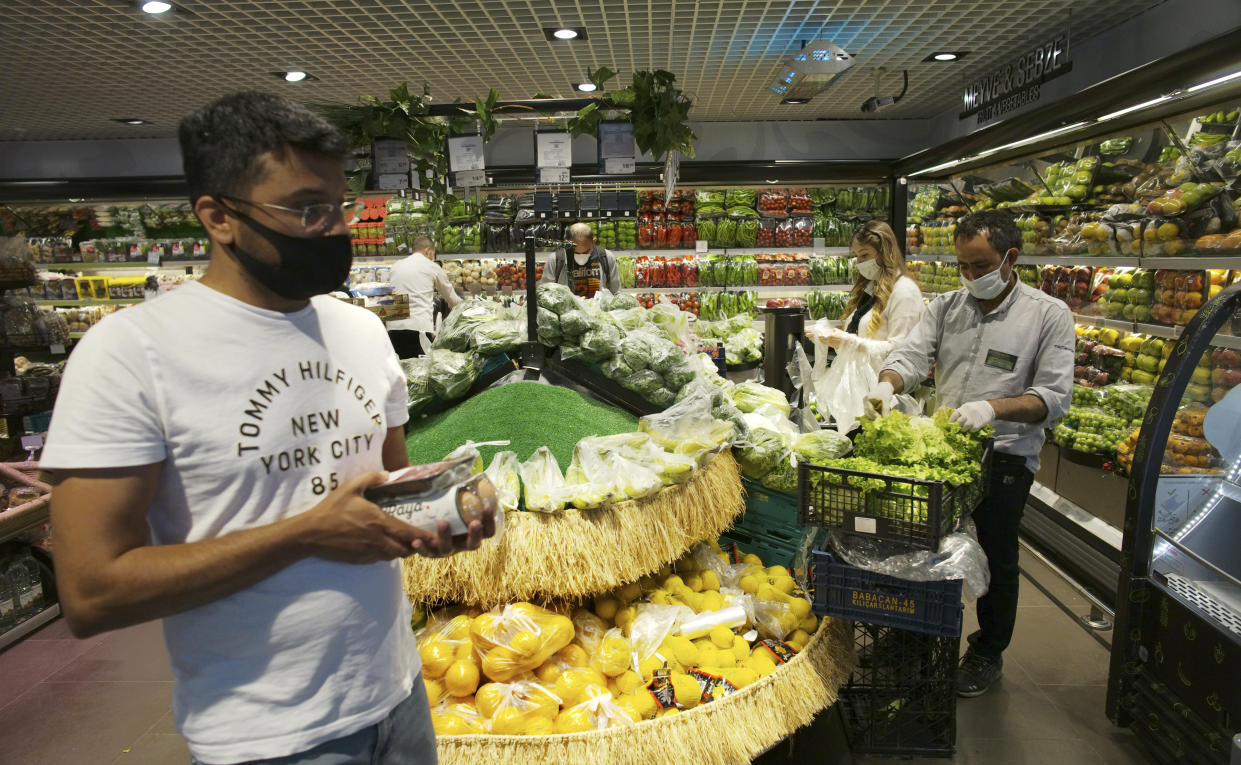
x=211 y=448
x=420 y=277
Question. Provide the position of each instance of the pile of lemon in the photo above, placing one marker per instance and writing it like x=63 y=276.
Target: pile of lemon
x=528 y=670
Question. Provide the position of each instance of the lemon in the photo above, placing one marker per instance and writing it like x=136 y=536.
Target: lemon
x=488 y=699
x=799 y=637
x=574 y=655
x=461 y=679
x=574 y=721
x=800 y=608
x=573 y=684
x=741 y=649
x=508 y=721
x=784 y=584
x=748 y=584
x=741 y=677
x=686 y=565
x=630 y=707
x=649 y=666
x=694 y=582
x=606 y=608
x=714 y=544
x=763 y=665
x=526 y=643
x=540 y=726
x=688 y=692
x=672 y=581
x=777 y=571
x=721 y=636
x=751 y=558
x=625 y=617
x=659 y=597
x=435 y=691
x=670 y=712
x=686 y=652
x=630 y=592
x=711 y=600
x=548 y=672
x=437 y=657
x=707 y=656
x=725 y=659
x=627 y=682
x=710 y=580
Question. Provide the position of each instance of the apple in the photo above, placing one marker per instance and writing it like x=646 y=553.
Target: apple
x=1141 y=313
x=1232 y=378
x=1229 y=358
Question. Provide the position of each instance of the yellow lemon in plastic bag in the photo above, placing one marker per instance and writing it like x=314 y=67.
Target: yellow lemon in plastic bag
x=810 y=624
x=461 y=679
x=721 y=636
x=574 y=720
x=574 y=655
x=502 y=663
x=710 y=580
x=685 y=651
x=741 y=649
x=488 y=698
x=800 y=608
x=465 y=651
x=688 y=692
x=548 y=672
x=526 y=642
x=435 y=690
x=711 y=601
x=788 y=621
x=784 y=584
x=573 y=683
x=630 y=592
x=437 y=657
x=694 y=582
x=508 y=721
x=606 y=608
x=614 y=655
x=458 y=628
x=540 y=726
x=748 y=584
x=625 y=617
x=627 y=682
x=630 y=707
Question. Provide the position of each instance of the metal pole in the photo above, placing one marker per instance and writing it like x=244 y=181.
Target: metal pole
x=532 y=350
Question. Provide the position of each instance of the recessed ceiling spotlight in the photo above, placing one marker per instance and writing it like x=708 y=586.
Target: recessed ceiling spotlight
x=131 y=121
x=295 y=75
x=795 y=101
x=945 y=56
x=156 y=7
x=586 y=87
x=564 y=34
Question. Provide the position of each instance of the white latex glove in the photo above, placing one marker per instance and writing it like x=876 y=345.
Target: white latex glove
x=880 y=400
x=974 y=415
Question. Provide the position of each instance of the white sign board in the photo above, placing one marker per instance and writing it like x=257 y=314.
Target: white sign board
x=390 y=156
x=619 y=166
x=392 y=181
x=465 y=152
x=472 y=178
x=553 y=150
x=616 y=140
x=553 y=175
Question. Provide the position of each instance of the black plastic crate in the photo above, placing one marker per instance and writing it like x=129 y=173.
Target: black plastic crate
x=902 y=697
x=907 y=510
x=846 y=591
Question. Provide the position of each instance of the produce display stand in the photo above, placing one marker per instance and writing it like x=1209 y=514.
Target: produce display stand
x=577 y=553
x=731 y=730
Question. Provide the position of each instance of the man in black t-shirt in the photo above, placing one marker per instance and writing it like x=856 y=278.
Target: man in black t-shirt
x=590 y=269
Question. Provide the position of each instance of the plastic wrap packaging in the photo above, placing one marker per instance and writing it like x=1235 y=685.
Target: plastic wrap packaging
x=631 y=479
x=418 y=381
x=652 y=624
x=457 y=330
x=765 y=444
x=588 y=483
x=543 y=482
x=504 y=472
x=588 y=630
x=595 y=713
x=754 y=397
x=439 y=643
x=518 y=639
x=524 y=707
x=960 y=556
x=687 y=427
x=452 y=374
x=457 y=718
x=451 y=490
x=500 y=336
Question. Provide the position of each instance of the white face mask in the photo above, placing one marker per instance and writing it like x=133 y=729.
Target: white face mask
x=869 y=269
x=988 y=286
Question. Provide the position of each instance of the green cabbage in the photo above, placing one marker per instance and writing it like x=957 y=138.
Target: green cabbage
x=752 y=396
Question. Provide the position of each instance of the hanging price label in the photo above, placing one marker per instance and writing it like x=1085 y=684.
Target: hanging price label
x=819 y=242
x=472 y=178
x=465 y=152
x=619 y=166
x=392 y=181
x=553 y=175
x=553 y=150
x=700 y=245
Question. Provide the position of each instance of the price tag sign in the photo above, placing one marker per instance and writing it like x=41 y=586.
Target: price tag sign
x=553 y=175
x=472 y=178
x=619 y=166
x=465 y=152
x=32 y=443
x=390 y=157
x=392 y=181
x=616 y=140
x=700 y=245
x=57 y=350
x=820 y=243
x=153 y=256
x=553 y=150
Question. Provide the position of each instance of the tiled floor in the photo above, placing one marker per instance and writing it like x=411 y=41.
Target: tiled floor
x=106 y=700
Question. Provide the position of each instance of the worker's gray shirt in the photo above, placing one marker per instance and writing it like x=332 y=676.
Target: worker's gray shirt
x=1025 y=345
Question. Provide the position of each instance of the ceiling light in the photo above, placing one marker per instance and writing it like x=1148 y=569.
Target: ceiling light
x=564 y=34
x=156 y=6
x=295 y=75
x=795 y=101
x=586 y=87
x=944 y=56
x=131 y=121
x=1134 y=108
x=1213 y=83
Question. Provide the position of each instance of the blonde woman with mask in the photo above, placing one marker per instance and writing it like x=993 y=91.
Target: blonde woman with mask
x=885 y=304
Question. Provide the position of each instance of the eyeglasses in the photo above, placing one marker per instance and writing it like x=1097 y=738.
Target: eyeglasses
x=314 y=216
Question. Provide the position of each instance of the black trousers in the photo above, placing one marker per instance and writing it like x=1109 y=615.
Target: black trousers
x=406 y=342
x=997 y=519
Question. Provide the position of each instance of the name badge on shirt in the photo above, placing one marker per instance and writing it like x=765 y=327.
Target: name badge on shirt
x=1000 y=360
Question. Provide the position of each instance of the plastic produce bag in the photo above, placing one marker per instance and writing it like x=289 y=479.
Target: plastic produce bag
x=418 y=381
x=752 y=396
x=518 y=638
x=672 y=321
x=765 y=444
x=452 y=374
x=588 y=484
x=557 y=298
x=631 y=479
x=439 y=642
x=504 y=473
x=499 y=336
x=588 y=630
x=456 y=718
x=687 y=427
x=959 y=556
x=457 y=331
x=574 y=324
x=519 y=708
x=841 y=390
x=822 y=445
x=549 y=327
x=543 y=482
x=615 y=653
x=596 y=713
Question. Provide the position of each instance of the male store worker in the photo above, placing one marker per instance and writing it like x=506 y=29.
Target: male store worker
x=1003 y=356
x=212 y=447
x=420 y=277
x=590 y=268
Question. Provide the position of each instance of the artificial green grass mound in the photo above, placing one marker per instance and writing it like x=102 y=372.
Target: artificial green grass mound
x=527 y=414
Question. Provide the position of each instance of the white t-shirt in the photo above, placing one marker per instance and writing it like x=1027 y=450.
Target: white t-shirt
x=255 y=415
x=900 y=316
x=420 y=278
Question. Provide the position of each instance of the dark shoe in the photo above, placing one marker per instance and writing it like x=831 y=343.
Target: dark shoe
x=977 y=673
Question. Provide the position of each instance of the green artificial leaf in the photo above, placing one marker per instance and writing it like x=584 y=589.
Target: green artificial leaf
x=601 y=76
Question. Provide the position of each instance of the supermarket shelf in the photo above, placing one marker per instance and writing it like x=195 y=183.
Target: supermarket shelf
x=80 y=303
x=1099 y=321
x=1082 y=260
x=777 y=291
x=838 y=251
x=128 y=265
x=29 y=626
x=541 y=255
x=1159 y=330
x=1227 y=341
x=1223 y=261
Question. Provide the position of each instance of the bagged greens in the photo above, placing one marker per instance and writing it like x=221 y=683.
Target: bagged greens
x=543 y=482
x=503 y=473
x=752 y=397
x=499 y=336
x=418 y=381
x=457 y=331
x=452 y=374
x=822 y=445
x=557 y=298
x=549 y=327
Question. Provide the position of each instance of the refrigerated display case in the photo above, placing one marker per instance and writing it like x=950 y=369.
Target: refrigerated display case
x=1175 y=675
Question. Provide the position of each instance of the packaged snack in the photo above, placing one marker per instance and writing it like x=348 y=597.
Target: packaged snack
x=449 y=490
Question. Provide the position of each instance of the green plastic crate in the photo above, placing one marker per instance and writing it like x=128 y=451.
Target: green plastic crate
x=768 y=527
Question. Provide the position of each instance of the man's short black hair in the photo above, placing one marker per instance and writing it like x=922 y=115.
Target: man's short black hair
x=221 y=141
x=998 y=226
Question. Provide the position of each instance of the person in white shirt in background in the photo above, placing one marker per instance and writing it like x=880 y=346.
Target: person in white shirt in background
x=885 y=304
x=420 y=277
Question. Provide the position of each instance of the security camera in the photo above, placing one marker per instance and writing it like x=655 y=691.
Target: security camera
x=877 y=102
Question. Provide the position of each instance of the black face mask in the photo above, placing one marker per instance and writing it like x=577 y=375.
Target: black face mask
x=309 y=266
